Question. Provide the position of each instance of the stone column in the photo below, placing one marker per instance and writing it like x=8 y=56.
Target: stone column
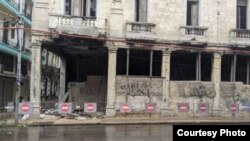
x=165 y=73
x=62 y=79
x=35 y=79
x=216 y=79
x=110 y=109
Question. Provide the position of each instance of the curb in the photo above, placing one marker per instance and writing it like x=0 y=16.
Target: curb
x=113 y=121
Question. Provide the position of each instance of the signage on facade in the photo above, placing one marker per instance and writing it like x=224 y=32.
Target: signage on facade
x=125 y=108
x=234 y=108
x=183 y=107
x=90 y=107
x=25 y=108
x=150 y=107
x=203 y=107
x=65 y=108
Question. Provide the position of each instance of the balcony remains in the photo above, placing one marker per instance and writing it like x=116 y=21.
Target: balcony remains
x=193 y=34
x=140 y=31
x=240 y=37
x=89 y=26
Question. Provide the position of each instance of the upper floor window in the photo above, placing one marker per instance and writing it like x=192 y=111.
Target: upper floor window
x=141 y=10
x=5 y=31
x=7 y=61
x=67 y=7
x=241 y=14
x=89 y=8
x=13 y=31
x=80 y=8
x=192 y=12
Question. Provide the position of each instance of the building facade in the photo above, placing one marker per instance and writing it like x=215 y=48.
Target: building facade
x=9 y=17
x=181 y=55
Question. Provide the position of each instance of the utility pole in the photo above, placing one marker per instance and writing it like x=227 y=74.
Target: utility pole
x=19 y=80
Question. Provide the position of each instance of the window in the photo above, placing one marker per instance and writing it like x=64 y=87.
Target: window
x=141 y=10
x=5 y=32
x=67 y=7
x=24 y=67
x=84 y=7
x=7 y=61
x=192 y=12
x=89 y=8
x=241 y=14
x=93 y=8
x=13 y=31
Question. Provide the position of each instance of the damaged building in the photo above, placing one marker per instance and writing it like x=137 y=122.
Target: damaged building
x=176 y=54
x=9 y=14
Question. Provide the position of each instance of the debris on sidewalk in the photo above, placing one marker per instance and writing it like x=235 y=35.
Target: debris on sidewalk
x=25 y=117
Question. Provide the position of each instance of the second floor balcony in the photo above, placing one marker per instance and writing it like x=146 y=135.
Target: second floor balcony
x=13 y=7
x=89 y=26
x=11 y=47
x=240 y=37
x=140 y=31
x=193 y=34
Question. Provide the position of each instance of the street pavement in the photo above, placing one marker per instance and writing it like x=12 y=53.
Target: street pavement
x=125 y=120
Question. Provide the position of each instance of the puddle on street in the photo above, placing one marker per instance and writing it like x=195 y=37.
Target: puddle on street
x=89 y=133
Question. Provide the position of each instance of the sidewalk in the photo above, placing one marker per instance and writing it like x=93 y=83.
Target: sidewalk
x=128 y=120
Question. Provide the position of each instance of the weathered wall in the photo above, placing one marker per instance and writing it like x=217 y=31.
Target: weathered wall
x=235 y=93
x=93 y=90
x=137 y=91
x=171 y=15
x=219 y=16
x=191 y=92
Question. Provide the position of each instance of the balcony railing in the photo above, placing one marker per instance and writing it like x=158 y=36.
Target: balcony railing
x=67 y=20
x=140 y=27
x=8 y=42
x=17 y=7
x=194 y=30
x=140 y=31
x=240 y=33
x=14 y=4
x=89 y=26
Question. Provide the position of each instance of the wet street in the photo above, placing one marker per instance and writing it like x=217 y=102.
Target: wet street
x=89 y=133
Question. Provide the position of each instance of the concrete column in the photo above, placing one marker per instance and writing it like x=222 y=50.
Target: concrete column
x=62 y=79
x=248 y=70
x=35 y=79
x=198 y=67
x=110 y=109
x=127 y=65
x=165 y=73
x=233 y=68
x=216 y=79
